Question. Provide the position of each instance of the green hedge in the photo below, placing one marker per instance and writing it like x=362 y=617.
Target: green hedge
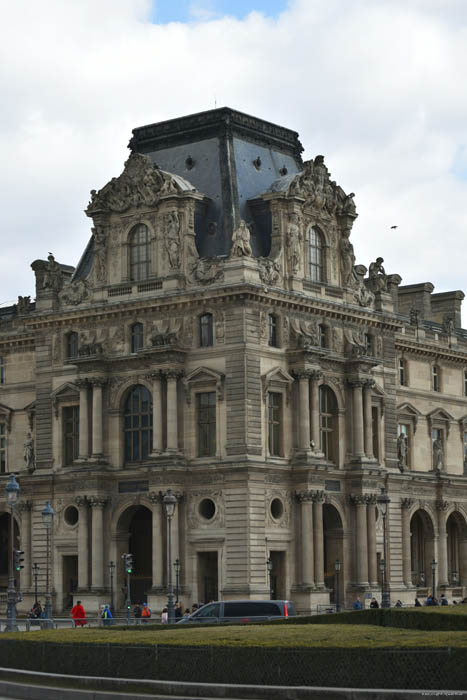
x=407 y=618
x=444 y=669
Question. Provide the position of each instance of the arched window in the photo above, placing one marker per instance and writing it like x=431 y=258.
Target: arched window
x=205 y=331
x=137 y=337
x=138 y=424
x=328 y=422
x=72 y=344
x=315 y=256
x=140 y=253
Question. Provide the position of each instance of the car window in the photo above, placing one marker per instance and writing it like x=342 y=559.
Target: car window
x=291 y=609
x=251 y=609
x=209 y=611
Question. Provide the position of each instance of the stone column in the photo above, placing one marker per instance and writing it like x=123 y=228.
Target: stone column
x=97 y=418
x=83 y=546
x=82 y=384
x=26 y=575
x=157 y=441
x=306 y=511
x=406 y=504
x=318 y=543
x=463 y=562
x=361 y=544
x=172 y=411
x=371 y=530
x=357 y=405
x=368 y=418
x=315 y=432
x=304 y=409
x=157 y=541
x=441 y=507
x=97 y=542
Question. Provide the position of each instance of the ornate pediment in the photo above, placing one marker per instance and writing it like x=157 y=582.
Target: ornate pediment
x=65 y=393
x=141 y=184
x=204 y=377
x=407 y=411
x=320 y=193
x=439 y=417
x=277 y=379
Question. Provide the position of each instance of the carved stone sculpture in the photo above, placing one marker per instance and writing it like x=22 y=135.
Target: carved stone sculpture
x=241 y=241
x=24 y=305
x=269 y=271
x=355 y=342
x=172 y=239
x=347 y=259
x=166 y=333
x=52 y=275
x=402 y=450
x=74 y=293
x=305 y=333
x=100 y=253
x=377 y=278
x=28 y=453
x=438 y=457
x=207 y=271
x=294 y=238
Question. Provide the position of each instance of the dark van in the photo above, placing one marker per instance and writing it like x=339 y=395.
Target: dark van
x=242 y=611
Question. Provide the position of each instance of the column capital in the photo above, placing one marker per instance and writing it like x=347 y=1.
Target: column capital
x=304 y=496
x=82 y=383
x=98 y=501
x=357 y=499
x=442 y=505
x=356 y=382
x=155 y=497
x=98 y=381
x=172 y=373
x=369 y=383
x=317 y=496
x=406 y=503
x=81 y=501
x=301 y=374
x=156 y=374
x=370 y=499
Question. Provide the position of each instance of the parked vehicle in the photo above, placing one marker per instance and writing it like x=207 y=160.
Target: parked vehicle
x=242 y=611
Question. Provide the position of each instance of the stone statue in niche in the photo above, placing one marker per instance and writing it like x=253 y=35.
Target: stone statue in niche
x=448 y=324
x=28 y=453
x=241 y=241
x=172 y=239
x=347 y=259
x=52 y=275
x=437 y=455
x=377 y=278
x=100 y=253
x=402 y=450
x=294 y=238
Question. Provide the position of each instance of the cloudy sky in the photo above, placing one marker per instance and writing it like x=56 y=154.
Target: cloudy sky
x=377 y=86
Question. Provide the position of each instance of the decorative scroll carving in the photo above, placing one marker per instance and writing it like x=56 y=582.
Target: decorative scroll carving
x=207 y=271
x=407 y=503
x=269 y=271
x=305 y=332
x=166 y=333
x=74 y=293
x=442 y=505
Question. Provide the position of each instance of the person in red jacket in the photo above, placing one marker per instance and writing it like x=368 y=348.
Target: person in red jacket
x=78 y=615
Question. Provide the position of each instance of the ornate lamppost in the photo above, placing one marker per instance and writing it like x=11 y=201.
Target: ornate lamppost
x=170 y=502
x=337 y=568
x=111 y=572
x=269 y=564
x=383 y=501
x=177 y=578
x=35 y=573
x=11 y=494
x=433 y=572
x=47 y=520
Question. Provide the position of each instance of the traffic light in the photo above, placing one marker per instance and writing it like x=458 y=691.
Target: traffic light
x=128 y=562
x=18 y=559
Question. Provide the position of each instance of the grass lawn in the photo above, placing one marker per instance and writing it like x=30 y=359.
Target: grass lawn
x=306 y=635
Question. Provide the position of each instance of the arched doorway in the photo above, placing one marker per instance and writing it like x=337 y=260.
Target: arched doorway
x=333 y=536
x=5 y=547
x=422 y=539
x=456 y=530
x=134 y=536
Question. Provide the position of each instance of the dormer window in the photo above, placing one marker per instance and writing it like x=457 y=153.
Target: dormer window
x=140 y=253
x=315 y=256
x=137 y=337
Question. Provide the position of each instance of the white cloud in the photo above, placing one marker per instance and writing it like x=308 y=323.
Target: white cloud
x=378 y=88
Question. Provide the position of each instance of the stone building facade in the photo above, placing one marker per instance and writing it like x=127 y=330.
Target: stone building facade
x=219 y=338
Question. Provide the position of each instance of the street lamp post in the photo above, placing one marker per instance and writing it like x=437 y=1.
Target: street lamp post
x=170 y=502
x=177 y=578
x=433 y=571
x=337 y=568
x=35 y=573
x=269 y=564
x=47 y=520
x=383 y=501
x=111 y=572
x=11 y=494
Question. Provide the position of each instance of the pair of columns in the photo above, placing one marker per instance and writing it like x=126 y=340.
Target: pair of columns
x=171 y=376
x=96 y=385
x=308 y=388
x=366 y=570
x=362 y=427
x=311 y=506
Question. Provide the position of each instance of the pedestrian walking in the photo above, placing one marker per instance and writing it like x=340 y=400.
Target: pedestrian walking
x=106 y=616
x=137 y=613
x=357 y=604
x=165 y=616
x=78 y=614
x=146 y=613
x=374 y=603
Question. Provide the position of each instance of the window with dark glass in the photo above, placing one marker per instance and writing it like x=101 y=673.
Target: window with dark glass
x=327 y=416
x=2 y=448
x=322 y=333
x=138 y=424
x=274 y=405
x=206 y=423
x=137 y=337
x=206 y=330
x=435 y=378
x=465 y=382
x=272 y=330
x=315 y=256
x=140 y=253
x=70 y=434
x=2 y=371
x=72 y=344
x=402 y=377
x=368 y=344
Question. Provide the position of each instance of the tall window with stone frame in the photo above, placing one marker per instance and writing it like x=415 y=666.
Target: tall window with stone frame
x=140 y=253
x=465 y=382
x=137 y=337
x=328 y=419
x=272 y=330
x=206 y=335
x=72 y=344
x=465 y=451
x=315 y=256
x=274 y=416
x=402 y=372
x=368 y=344
x=206 y=418
x=70 y=434
x=137 y=424
x=2 y=448
x=435 y=378
x=322 y=336
x=2 y=371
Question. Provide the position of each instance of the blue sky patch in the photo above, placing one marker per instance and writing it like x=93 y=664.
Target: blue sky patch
x=164 y=11
x=459 y=167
